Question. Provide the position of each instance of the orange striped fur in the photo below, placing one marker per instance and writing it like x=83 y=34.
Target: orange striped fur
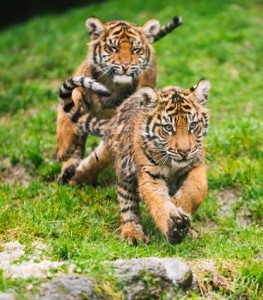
x=120 y=60
x=156 y=141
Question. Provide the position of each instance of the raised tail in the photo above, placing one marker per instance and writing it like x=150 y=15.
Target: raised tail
x=169 y=27
x=85 y=122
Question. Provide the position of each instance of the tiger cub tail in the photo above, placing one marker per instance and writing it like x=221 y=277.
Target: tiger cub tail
x=75 y=112
x=169 y=27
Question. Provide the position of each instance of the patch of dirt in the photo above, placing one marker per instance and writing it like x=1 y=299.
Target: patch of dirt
x=208 y=278
x=34 y=111
x=13 y=174
x=235 y=73
x=209 y=225
x=244 y=217
x=259 y=257
x=31 y=112
x=248 y=109
x=226 y=199
x=5 y=119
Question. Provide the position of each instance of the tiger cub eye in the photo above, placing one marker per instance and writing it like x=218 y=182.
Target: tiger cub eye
x=192 y=125
x=168 y=127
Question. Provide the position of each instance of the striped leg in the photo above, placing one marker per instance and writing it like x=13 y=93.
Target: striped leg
x=69 y=167
x=70 y=146
x=89 y=168
x=131 y=228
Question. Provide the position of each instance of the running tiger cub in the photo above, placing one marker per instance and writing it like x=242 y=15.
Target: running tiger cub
x=120 y=60
x=156 y=141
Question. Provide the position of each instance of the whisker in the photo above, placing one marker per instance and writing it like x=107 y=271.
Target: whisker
x=105 y=71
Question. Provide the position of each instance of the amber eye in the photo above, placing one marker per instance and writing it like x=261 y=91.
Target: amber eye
x=192 y=125
x=168 y=127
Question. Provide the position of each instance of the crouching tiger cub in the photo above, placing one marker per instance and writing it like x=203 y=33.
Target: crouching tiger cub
x=156 y=141
x=120 y=58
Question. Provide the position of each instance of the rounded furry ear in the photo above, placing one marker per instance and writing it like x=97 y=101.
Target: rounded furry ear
x=150 y=29
x=95 y=27
x=147 y=96
x=201 y=90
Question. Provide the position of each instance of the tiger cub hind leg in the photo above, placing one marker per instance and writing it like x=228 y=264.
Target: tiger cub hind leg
x=69 y=166
x=133 y=234
x=89 y=168
x=131 y=228
x=67 y=139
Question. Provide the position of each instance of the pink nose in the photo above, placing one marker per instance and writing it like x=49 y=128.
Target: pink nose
x=125 y=67
x=183 y=152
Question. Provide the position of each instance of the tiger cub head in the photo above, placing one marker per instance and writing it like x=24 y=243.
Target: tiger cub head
x=176 y=121
x=119 y=49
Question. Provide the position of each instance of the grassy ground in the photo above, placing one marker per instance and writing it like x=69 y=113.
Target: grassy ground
x=220 y=40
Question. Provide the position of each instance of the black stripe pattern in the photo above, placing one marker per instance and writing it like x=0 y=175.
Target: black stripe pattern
x=166 y=29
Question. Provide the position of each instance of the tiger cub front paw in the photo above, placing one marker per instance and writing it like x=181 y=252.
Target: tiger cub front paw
x=178 y=225
x=134 y=234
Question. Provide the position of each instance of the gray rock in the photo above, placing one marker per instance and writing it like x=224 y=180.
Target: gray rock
x=7 y=296
x=152 y=277
x=70 y=288
x=145 y=278
x=177 y=271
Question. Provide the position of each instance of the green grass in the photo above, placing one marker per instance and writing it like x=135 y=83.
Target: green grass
x=219 y=40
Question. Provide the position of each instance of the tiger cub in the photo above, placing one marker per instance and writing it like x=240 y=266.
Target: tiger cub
x=120 y=60
x=156 y=141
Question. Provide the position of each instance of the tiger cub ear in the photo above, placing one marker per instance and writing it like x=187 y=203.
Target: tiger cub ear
x=95 y=27
x=150 y=29
x=201 y=90
x=147 y=96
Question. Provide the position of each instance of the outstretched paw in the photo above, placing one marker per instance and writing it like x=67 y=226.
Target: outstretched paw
x=133 y=233
x=67 y=174
x=178 y=226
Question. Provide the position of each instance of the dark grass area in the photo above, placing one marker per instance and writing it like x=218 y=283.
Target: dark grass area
x=16 y=13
